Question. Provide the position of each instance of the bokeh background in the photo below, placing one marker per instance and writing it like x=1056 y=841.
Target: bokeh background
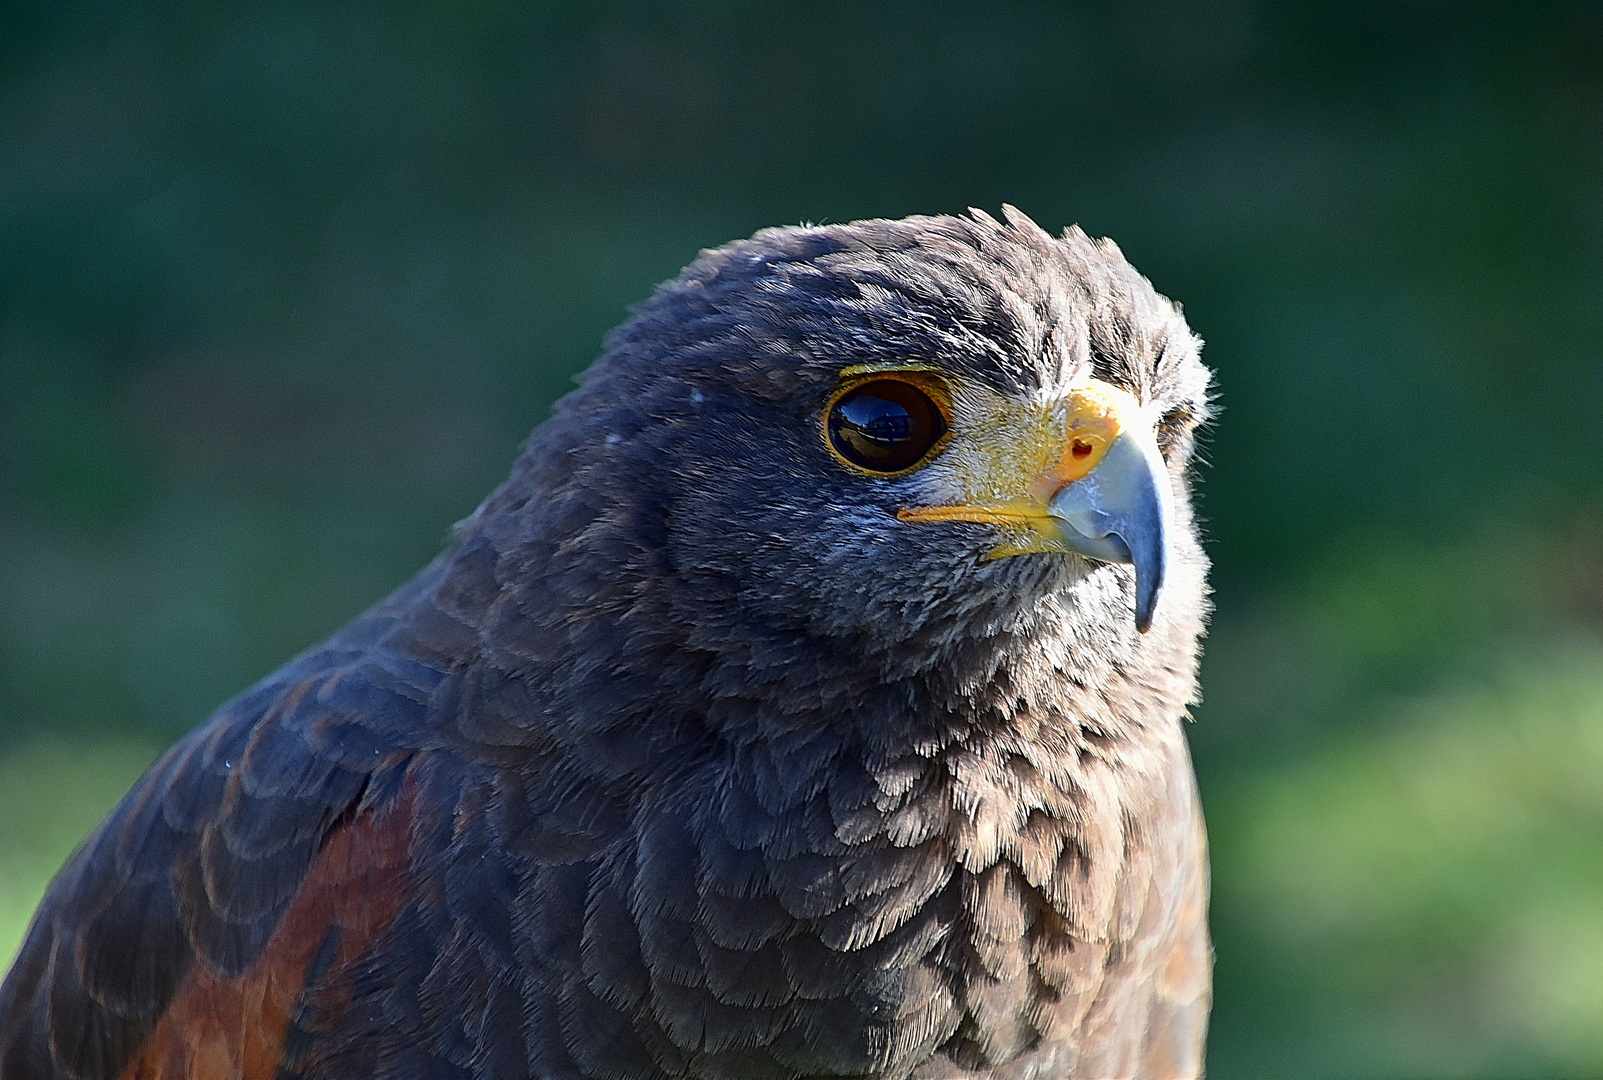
x=282 y=287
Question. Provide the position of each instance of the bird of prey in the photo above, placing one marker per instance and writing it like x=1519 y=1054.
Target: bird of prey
x=807 y=703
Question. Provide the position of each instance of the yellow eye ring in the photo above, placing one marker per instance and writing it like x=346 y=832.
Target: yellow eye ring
x=887 y=423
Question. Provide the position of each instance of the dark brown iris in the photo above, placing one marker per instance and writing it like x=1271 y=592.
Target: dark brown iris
x=885 y=425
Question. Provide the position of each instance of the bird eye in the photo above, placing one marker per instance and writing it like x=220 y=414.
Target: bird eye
x=885 y=425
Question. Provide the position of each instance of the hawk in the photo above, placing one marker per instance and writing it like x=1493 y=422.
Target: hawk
x=807 y=703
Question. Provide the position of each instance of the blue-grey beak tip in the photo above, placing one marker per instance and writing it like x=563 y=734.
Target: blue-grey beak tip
x=1120 y=513
x=1149 y=573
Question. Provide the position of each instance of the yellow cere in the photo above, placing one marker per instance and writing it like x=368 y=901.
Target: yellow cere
x=1007 y=459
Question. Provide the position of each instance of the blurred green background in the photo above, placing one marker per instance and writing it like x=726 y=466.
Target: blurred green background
x=283 y=287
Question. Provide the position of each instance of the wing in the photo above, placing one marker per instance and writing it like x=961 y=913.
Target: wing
x=264 y=850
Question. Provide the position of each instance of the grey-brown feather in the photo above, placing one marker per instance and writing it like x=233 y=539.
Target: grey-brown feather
x=719 y=769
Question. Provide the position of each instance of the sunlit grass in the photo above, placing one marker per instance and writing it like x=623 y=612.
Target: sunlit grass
x=51 y=795
x=1430 y=895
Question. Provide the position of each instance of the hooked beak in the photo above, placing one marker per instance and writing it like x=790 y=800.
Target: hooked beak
x=1120 y=513
x=1097 y=486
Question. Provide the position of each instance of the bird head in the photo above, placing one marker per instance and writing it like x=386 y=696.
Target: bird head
x=901 y=444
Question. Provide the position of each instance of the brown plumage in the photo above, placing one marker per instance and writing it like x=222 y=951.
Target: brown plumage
x=784 y=714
